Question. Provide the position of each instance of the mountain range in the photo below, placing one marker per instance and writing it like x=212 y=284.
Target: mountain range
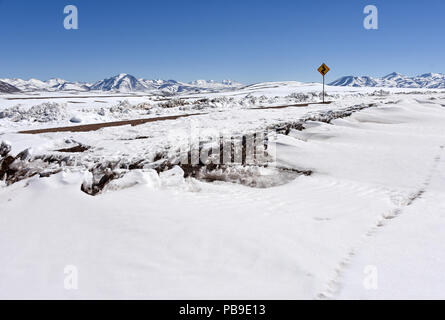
x=128 y=83
x=394 y=80
x=119 y=83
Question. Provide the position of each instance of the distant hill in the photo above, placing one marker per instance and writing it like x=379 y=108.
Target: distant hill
x=394 y=80
x=7 y=88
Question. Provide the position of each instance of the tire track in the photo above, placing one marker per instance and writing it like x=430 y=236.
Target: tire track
x=333 y=286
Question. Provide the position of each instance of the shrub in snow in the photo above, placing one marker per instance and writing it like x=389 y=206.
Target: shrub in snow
x=5 y=148
x=217 y=102
x=299 y=97
x=122 y=107
x=101 y=112
x=144 y=106
x=125 y=106
x=308 y=96
x=273 y=100
x=173 y=103
x=251 y=99
x=380 y=93
x=263 y=99
x=44 y=112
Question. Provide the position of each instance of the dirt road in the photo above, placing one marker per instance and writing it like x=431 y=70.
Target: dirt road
x=135 y=122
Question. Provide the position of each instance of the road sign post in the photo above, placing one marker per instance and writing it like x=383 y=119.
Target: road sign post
x=323 y=70
x=323 y=89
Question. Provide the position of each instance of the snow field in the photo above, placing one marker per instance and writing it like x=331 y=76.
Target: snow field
x=166 y=237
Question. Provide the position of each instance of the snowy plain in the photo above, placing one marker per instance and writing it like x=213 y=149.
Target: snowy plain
x=375 y=197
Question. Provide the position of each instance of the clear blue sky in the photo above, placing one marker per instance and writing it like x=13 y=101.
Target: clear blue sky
x=245 y=40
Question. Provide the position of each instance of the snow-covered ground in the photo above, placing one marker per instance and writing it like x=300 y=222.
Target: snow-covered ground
x=374 y=198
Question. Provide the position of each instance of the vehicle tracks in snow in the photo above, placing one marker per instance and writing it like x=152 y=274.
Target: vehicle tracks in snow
x=334 y=286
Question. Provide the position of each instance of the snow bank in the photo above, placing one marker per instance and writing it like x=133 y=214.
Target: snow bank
x=148 y=178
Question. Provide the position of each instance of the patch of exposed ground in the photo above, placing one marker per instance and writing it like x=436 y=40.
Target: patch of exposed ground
x=77 y=149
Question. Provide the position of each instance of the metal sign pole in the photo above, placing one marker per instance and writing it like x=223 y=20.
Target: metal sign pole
x=323 y=70
x=323 y=89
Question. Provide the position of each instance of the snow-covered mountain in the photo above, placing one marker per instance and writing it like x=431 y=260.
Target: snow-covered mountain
x=127 y=83
x=73 y=86
x=49 y=85
x=27 y=85
x=123 y=83
x=63 y=85
x=394 y=80
x=7 y=88
x=351 y=81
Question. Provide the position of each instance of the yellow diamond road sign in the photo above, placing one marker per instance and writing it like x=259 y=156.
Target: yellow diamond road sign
x=323 y=69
